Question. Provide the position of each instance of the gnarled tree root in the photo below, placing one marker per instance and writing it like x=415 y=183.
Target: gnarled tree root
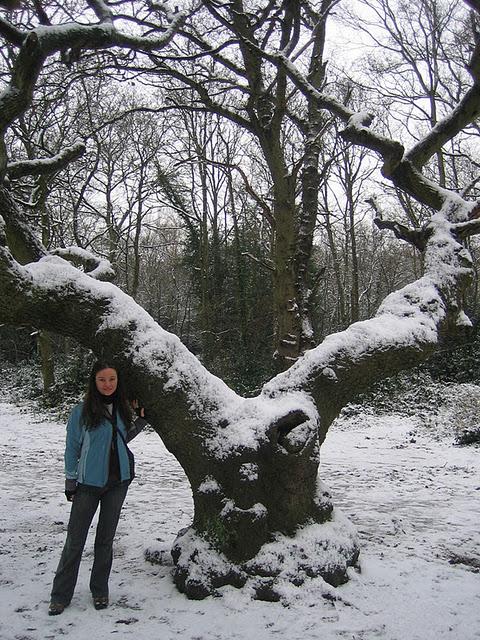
x=317 y=550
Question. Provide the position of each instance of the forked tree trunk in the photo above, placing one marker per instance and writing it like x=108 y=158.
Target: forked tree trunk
x=252 y=463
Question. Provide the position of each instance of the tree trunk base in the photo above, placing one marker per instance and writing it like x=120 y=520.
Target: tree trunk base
x=317 y=550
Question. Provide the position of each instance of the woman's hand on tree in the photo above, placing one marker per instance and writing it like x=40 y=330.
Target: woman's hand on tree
x=140 y=411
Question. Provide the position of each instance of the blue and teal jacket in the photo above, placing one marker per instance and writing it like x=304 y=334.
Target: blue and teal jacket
x=87 y=451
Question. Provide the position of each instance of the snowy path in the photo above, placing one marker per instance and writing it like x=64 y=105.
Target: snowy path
x=416 y=506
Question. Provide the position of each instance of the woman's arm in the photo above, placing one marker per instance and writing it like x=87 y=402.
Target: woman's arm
x=73 y=447
x=137 y=425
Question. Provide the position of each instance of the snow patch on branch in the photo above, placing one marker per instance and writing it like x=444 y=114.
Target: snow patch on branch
x=161 y=353
x=248 y=472
x=209 y=485
x=246 y=423
x=42 y=166
x=258 y=510
x=446 y=258
x=97 y=268
x=420 y=302
x=463 y=320
x=71 y=37
x=408 y=319
x=325 y=101
x=362 y=338
x=329 y=374
x=360 y=120
x=103 y=34
x=61 y=31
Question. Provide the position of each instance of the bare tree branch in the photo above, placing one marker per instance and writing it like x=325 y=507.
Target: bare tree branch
x=466 y=229
x=467 y=110
x=44 y=166
x=22 y=242
x=44 y=41
x=402 y=170
x=263 y=263
x=41 y=13
x=11 y=33
x=101 y=10
x=416 y=237
x=474 y=4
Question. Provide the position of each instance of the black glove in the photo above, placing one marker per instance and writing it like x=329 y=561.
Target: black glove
x=70 y=488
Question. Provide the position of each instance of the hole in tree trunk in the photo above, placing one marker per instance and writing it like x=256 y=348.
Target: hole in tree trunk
x=286 y=424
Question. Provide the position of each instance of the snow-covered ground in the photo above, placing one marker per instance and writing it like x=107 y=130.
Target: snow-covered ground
x=415 y=502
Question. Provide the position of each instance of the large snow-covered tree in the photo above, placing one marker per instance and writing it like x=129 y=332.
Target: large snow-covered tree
x=261 y=514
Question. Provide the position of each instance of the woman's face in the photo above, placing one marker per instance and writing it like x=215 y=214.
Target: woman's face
x=106 y=381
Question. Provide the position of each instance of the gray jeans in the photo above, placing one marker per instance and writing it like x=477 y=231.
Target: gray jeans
x=84 y=506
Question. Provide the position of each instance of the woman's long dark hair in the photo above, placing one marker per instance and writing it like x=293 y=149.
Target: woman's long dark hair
x=93 y=405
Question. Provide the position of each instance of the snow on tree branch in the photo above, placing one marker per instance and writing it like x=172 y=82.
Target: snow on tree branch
x=103 y=316
x=358 y=131
x=323 y=100
x=403 y=169
x=466 y=229
x=402 y=173
x=54 y=295
x=101 y=36
x=45 y=40
x=408 y=324
x=95 y=267
x=46 y=165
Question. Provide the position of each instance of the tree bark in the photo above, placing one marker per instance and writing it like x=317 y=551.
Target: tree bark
x=45 y=351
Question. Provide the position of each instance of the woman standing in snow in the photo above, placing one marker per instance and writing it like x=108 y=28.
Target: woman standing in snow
x=98 y=469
